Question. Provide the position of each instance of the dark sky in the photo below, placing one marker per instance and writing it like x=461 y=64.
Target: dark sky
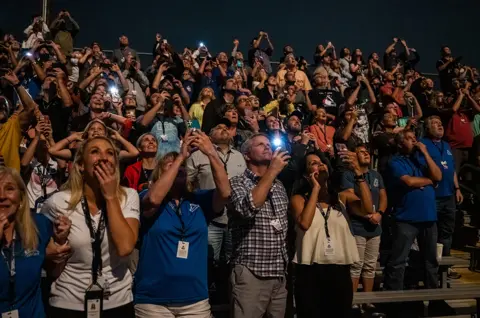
x=368 y=24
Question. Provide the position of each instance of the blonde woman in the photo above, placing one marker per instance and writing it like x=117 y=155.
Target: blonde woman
x=94 y=128
x=105 y=221
x=24 y=237
x=196 y=110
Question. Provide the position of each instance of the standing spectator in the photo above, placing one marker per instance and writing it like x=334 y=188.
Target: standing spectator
x=323 y=96
x=446 y=69
x=323 y=133
x=325 y=246
x=262 y=55
x=171 y=278
x=413 y=202
x=138 y=175
x=37 y=31
x=301 y=79
x=199 y=173
x=64 y=29
x=258 y=221
x=213 y=112
x=93 y=200
x=366 y=228
x=384 y=141
x=137 y=82
x=447 y=191
x=120 y=55
x=12 y=124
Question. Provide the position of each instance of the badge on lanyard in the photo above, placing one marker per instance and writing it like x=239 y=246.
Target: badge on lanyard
x=94 y=301
x=444 y=164
x=164 y=138
x=328 y=247
x=10 y=314
x=182 y=249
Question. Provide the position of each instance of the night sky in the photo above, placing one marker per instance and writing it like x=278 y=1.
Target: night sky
x=369 y=25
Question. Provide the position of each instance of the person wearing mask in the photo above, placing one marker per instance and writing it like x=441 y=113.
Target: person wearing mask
x=197 y=109
x=171 y=278
x=325 y=247
x=413 y=208
x=258 y=222
x=367 y=228
x=25 y=239
x=199 y=172
x=105 y=222
x=447 y=191
x=138 y=175
x=120 y=55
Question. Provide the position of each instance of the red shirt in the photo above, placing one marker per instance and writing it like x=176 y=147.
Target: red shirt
x=459 y=132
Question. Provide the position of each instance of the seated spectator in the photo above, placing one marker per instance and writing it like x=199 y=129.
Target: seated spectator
x=325 y=247
x=93 y=192
x=175 y=219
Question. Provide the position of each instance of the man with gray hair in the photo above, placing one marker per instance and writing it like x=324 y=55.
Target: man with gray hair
x=258 y=222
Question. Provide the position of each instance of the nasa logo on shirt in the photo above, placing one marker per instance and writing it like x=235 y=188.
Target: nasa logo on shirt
x=193 y=207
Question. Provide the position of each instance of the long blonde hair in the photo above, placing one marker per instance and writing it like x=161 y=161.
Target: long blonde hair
x=202 y=94
x=75 y=181
x=24 y=222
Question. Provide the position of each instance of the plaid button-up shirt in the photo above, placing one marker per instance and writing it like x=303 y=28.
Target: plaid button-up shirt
x=259 y=234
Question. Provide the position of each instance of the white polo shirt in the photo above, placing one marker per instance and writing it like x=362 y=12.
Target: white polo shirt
x=68 y=290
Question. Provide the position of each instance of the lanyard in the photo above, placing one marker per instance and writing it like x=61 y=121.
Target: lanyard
x=324 y=132
x=440 y=149
x=96 y=236
x=178 y=213
x=43 y=178
x=325 y=216
x=10 y=261
x=224 y=161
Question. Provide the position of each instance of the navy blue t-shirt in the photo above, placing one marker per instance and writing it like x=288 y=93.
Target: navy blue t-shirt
x=161 y=277
x=441 y=153
x=28 y=267
x=410 y=204
x=362 y=226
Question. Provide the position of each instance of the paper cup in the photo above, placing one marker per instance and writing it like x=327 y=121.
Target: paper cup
x=439 y=251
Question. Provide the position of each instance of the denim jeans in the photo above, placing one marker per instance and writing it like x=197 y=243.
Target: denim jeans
x=446 y=209
x=403 y=236
x=219 y=237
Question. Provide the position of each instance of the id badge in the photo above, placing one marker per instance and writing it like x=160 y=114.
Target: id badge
x=93 y=302
x=329 y=248
x=276 y=225
x=164 y=137
x=10 y=314
x=182 y=249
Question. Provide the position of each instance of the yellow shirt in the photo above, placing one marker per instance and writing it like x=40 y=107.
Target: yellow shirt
x=196 y=112
x=10 y=138
x=275 y=104
x=301 y=79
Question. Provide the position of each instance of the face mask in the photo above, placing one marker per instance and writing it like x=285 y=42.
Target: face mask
x=74 y=61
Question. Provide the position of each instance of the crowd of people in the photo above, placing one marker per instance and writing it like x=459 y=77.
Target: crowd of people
x=122 y=186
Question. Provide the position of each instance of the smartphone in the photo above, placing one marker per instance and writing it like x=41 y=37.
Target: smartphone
x=341 y=147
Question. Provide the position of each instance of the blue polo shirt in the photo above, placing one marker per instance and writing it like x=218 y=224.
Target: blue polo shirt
x=441 y=153
x=28 y=267
x=161 y=277
x=410 y=204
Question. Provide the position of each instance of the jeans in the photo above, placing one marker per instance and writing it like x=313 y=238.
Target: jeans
x=403 y=236
x=218 y=237
x=446 y=209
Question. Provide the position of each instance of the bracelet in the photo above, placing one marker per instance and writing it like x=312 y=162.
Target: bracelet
x=381 y=212
x=17 y=85
x=456 y=189
x=360 y=177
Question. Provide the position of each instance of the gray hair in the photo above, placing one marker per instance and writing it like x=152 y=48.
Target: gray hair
x=428 y=122
x=247 y=145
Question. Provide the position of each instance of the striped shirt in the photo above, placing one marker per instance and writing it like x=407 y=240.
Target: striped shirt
x=258 y=234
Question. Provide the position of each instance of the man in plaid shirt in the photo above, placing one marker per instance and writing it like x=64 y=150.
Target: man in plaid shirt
x=258 y=221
